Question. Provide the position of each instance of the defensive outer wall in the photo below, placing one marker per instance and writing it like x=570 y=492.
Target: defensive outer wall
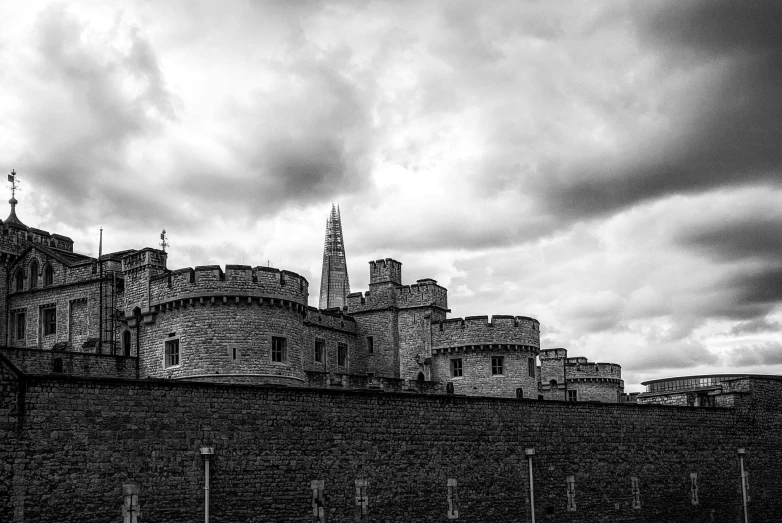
x=70 y=443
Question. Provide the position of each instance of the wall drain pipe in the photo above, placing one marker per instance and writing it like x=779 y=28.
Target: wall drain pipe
x=530 y=453
x=206 y=453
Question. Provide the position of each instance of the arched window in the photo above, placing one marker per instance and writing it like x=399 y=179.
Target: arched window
x=19 y=279
x=126 y=343
x=48 y=275
x=33 y=274
x=421 y=376
x=553 y=384
x=519 y=393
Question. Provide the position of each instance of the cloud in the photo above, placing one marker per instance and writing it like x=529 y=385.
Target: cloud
x=767 y=353
x=712 y=120
x=755 y=326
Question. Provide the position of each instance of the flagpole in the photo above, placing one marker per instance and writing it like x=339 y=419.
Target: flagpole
x=100 y=286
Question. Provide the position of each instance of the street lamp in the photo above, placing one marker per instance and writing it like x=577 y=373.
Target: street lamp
x=741 y=453
x=530 y=453
x=206 y=454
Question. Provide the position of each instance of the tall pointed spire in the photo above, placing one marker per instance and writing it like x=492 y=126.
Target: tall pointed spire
x=334 y=282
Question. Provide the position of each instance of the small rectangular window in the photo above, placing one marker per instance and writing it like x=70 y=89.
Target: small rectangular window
x=370 y=345
x=320 y=349
x=21 y=325
x=279 y=349
x=531 y=365
x=49 y=321
x=456 y=368
x=234 y=354
x=342 y=354
x=572 y=395
x=496 y=365
x=172 y=353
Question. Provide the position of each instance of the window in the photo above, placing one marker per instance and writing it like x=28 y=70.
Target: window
x=233 y=353
x=370 y=345
x=531 y=365
x=572 y=395
x=48 y=276
x=21 y=325
x=33 y=274
x=496 y=365
x=126 y=343
x=279 y=349
x=19 y=278
x=320 y=350
x=342 y=354
x=172 y=354
x=49 y=321
x=456 y=368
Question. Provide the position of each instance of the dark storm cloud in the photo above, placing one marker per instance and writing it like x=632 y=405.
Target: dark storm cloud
x=742 y=238
x=768 y=353
x=724 y=129
x=755 y=326
x=85 y=115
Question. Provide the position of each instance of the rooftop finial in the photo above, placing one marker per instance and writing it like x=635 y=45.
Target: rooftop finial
x=164 y=241
x=12 y=219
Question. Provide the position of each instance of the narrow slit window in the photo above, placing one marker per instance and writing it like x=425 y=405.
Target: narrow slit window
x=531 y=367
x=370 y=345
x=21 y=325
x=342 y=355
x=320 y=350
x=636 y=493
x=694 y=487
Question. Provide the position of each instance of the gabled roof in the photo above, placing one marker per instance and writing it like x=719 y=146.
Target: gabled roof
x=65 y=257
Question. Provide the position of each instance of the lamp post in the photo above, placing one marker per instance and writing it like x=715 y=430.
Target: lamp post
x=741 y=453
x=530 y=453
x=206 y=454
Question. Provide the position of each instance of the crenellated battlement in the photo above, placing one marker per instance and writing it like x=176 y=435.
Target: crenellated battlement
x=235 y=281
x=144 y=258
x=423 y=292
x=582 y=368
x=328 y=319
x=553 y=354
x=478 y=330
x=385 y=271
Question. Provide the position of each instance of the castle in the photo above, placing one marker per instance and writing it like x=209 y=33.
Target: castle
x=254 y=325
x=129 y=389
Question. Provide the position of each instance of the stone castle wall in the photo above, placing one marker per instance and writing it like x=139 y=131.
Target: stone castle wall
x=70 y=444
x=475 y=341
x=33 y=361
x=208 y=329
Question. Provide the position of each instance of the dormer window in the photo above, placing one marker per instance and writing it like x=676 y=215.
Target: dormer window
x=48 y=276
x=34 y=274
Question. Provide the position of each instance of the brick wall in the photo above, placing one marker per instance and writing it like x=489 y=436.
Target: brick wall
x=82 y=439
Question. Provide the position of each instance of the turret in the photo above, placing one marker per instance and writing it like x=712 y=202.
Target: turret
x=385 y=271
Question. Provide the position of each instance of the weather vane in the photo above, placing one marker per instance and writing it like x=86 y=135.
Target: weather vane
x=14 y=183
x=163 y=240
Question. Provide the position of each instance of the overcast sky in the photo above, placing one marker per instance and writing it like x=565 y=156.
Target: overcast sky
x=612 y=169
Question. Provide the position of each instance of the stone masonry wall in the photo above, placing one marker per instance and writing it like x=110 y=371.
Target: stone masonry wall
x=34 y=361
x=477 y=378
x=208 y=331
x=80 y=440
x=383 y=327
